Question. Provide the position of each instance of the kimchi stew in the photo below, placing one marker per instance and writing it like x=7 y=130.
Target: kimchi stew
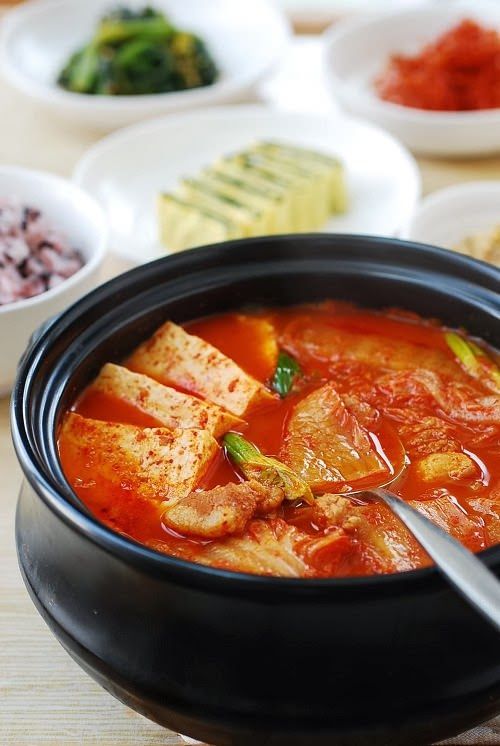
x=246 y=441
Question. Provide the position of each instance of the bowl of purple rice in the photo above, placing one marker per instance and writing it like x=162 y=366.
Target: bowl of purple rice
x=53 y=239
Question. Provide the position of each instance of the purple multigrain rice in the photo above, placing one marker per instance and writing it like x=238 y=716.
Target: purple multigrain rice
x=34 y=257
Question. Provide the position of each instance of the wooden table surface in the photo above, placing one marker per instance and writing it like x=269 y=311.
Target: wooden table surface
x=44 y=697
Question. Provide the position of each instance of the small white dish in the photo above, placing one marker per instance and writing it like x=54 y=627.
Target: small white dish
x=357 y=50
x=246 y=40
x=126 y=171
x=298 y=83
x=449 y=215
x=80 y=218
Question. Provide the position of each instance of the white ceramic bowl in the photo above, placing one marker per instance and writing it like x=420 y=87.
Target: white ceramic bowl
x=357 y=50
x=246 y=39
x=449 y=215
x=81 y=219
x=127 y=170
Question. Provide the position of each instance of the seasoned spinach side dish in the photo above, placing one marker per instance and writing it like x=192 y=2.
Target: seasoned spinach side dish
x=138 y=52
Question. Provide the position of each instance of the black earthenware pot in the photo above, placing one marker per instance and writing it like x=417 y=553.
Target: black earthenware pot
x=229 y=658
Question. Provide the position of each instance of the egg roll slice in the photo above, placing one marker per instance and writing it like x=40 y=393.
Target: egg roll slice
x=184 y=223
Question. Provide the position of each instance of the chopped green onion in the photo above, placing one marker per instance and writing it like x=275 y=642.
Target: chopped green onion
x=476 y=361
x=287 y=368
x=268 y=471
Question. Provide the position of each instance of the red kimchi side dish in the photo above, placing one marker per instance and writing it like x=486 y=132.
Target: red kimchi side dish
x=459 y=71
x=245 y=441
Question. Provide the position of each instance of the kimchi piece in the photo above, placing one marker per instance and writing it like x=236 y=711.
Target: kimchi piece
x=246 y=441
x=459 y=71
x=325 y=443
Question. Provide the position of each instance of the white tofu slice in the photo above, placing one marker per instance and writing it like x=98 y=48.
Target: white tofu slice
x=155 y=463
x=169 y=407
x=172 y=355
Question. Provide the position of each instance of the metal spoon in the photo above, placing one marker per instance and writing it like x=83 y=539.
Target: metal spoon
x=461 y=567
x=468 y=575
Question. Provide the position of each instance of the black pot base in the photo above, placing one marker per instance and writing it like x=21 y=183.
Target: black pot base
x=229 y=658
x=417 y=730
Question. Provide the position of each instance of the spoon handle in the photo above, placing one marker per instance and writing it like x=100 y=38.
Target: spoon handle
x=462 y=568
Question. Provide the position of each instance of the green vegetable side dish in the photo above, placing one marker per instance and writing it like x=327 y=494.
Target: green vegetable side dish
x=287 y=368
x=138 y=52
x=475 y=360
x=264 y=469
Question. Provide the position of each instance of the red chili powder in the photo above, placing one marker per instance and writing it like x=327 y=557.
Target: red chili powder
x=460 y=71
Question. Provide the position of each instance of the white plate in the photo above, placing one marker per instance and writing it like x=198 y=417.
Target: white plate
x=357 y=50
x=246 y=39
x=449 y=215
x=127 y=170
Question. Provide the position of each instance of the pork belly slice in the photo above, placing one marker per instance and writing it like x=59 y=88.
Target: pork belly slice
x=172 y=355
x=221 y=511
x=155 y=463
x=379 y=538
x=168 y=406
x=335 y=510
x=267 y=548
x=324 y=443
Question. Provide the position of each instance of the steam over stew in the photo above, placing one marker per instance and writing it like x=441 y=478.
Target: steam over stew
x=245 y=441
